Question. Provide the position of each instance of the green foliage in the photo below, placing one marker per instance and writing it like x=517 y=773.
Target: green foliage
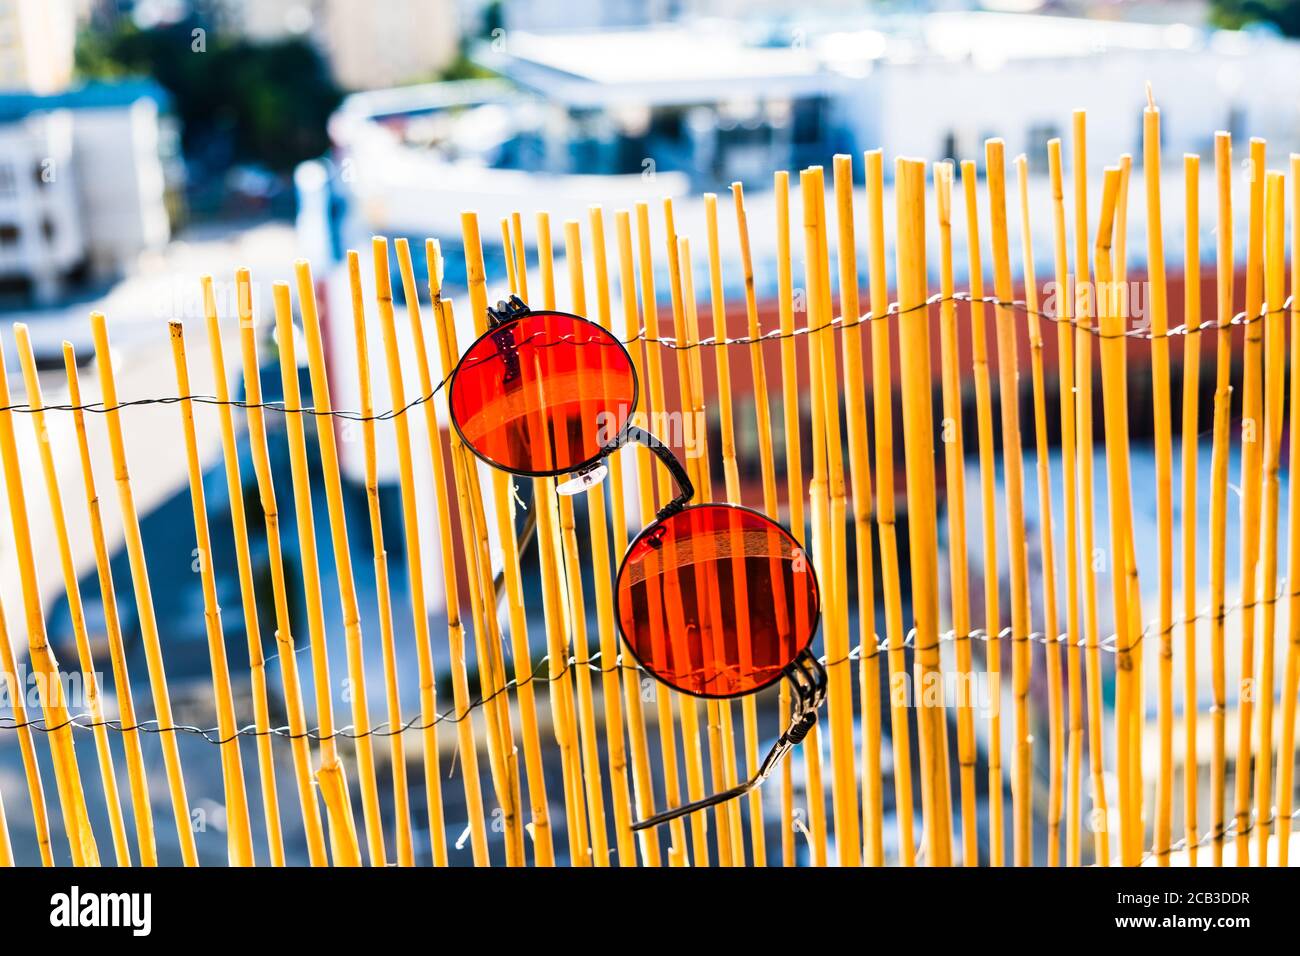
x=271 y=100
x=1284 y=14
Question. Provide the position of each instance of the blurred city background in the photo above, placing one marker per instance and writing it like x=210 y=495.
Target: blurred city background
x=143 y=144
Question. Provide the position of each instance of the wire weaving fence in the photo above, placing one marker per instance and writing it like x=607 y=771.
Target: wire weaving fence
x=559 y=742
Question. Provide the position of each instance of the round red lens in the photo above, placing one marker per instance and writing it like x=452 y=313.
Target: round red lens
x=543 y=394
x=717 y=600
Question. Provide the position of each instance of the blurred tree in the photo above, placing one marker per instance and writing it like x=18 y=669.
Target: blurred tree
x=1284 y=14
x=265 y=103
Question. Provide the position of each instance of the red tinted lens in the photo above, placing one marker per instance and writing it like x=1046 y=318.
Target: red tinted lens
x=543 y=394
x=717 y=601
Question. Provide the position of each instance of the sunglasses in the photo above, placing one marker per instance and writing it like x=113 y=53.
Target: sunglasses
x=714 y=600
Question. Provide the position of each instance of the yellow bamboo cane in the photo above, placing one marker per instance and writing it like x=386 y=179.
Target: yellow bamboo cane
x=331 y=774
x=923 y=540
x=731 y=473
x=419 y=607
x=1051 y=620
x=143 y=595
x=818 y=500
x=504 y=503
x=882 y=400
x=76 y=611
x=844 y=794
x=563 y=706
x=641 y=779
x=615 y=742
x=243 y=559
x=691 y=429
x=352 y=636
x=1064 y=318
x=988 y=498
x=1275 y=408
x=503 y=759
x=955 y=478
x=1110 y=323
x=1286 y=753
x=1014 y=482
x=1219 y=488
x=793 y=459
x=855 y=397
x=135 y=767
x=238 y=833
x=1191 y=443
x=284 y=639
x=1099 y=819
x=767 y=468
x=1159 y=326
x=392 y=694
x=1252 y=425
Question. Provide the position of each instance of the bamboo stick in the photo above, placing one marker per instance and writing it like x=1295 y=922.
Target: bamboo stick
x=882 y=399
x=835 y=633
x=1051 y=620
x=238 y=833
x=641 y=780
x=141 y=807
x=721 y=734
x=548 y=548
x=419 y=606
x=1013 y=480
x=352 y=636
x=691 y=429
x=819 y=506
x=794 y=462
x=1191 y=442
x=143 y=594
x=918 y=432
x=615 y=744
x=1286 y=752
x=392 y=694
x=1159 y=326
x=331 y=774
x=299 y=743
x=1219 y=487
x=31 y=769
x=503 y=758
x=54 y=708
x=767 y=468
x=860 y=467
x=1252 y=423
x=1110 y=323
x=955 y=479
x=571 y=570
x=731 y=471
x=1064 y=319
x=1275 y=408
x=76 y=611
x=243 y=559
x=504 y=503
x=1099 y=819
x=988 y=492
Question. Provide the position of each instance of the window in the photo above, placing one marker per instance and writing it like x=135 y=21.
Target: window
x=1040 y=134
x=8 y=234
x=47 y=229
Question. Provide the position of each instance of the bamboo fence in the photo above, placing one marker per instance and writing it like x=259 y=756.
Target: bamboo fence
x=559 y=743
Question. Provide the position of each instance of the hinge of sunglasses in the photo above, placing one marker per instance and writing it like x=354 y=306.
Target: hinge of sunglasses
x=505 y=310
x=589 y=477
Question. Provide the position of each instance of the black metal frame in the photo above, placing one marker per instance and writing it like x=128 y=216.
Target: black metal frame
x=805 y=672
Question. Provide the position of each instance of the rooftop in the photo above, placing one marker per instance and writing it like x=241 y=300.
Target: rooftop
x=98 y=95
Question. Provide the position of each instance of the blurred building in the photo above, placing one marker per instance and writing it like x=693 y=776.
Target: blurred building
x=368 y=45
x=83 y=184
x=36 y=44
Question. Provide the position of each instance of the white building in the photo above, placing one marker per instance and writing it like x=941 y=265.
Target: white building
x=82 y=184
x=36 y=44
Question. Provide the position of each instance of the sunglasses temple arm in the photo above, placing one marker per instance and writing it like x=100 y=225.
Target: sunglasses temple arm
x=639 y=436
x=795 y=733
